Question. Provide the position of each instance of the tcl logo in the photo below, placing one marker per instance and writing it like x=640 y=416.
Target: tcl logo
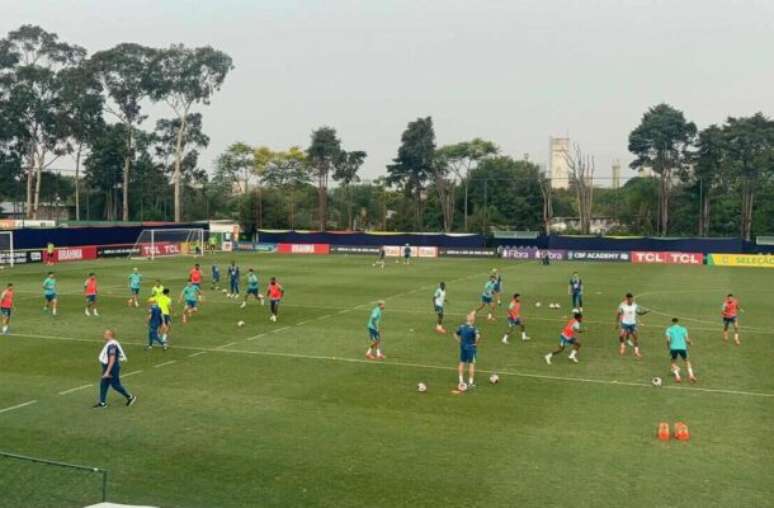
x=671 y=258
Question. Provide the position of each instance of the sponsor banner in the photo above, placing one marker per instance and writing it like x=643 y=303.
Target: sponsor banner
x=160 y=249
x=227 y=246
x=266 y=247
x=21 y=257
x=245 y=246
x=468 y=253
x=394 y=251
x=668 y=258
x=532 y=253
x=118 y=251
x=303 y=248
x=742 y=260
x=598 y=255
x=354 y=249
x=64 y=254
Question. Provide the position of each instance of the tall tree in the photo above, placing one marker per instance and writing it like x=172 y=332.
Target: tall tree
x=182 y=77
x=33 y=61
x=750 y=143
x=347 y=165
x=709 y=172
x=661 y=143
x=237 y=166
x=546 y=191
x=123 y=72
x=580 y=169
x=171 y=149
x=414 y=163
x=323 y=153
x=288 y=171
x=104 y=166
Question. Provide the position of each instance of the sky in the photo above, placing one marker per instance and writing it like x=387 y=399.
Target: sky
x=513 y=71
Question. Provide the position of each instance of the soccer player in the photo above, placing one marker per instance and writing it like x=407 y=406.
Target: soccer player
x=6 y=306
x=468 y=337
x=380 y=258
x=374 y=349
x=730 y=312
x=189 y=295
x=487 y=298
x=274 y=293
x=514 y=319
x=439 y=300
x=90 y=290
x=575 y=290
x=155 y=321
x=110 y=359
x=677 y=342
x=407 y=254
x=498 y=289
x=253 y=288
x=49 y=293
x=568 y=337
x=165 y=304
x=215 y=282
x=135 y=278
x=626 y=323
x=212 y=243
x=157 y=289
x=195 y=276
x=233 y=278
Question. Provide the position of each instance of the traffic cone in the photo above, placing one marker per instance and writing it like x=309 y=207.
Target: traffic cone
x=663 y=431
x=681 y=432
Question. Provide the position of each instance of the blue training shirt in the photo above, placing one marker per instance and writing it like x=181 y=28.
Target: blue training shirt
x=468 y=335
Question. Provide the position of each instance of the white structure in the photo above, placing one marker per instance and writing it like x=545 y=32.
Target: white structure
x=559 y=150
x=617 y=174
x=153 y=243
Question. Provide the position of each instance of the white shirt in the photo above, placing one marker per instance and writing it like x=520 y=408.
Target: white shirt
x=628 y=313
x=440 y=297
x=103 y=355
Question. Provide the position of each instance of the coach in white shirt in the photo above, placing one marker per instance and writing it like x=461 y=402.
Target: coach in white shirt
x=110 y=359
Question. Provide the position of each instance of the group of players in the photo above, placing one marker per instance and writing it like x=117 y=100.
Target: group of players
x=626 y=324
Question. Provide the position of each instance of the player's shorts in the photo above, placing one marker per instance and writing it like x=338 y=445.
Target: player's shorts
x=564 y=341
x=216 y=278
x=498 y=288
x=438 y=309
x=5 y=312
x=628 y=329
x=682 y=353
x=135 y=291
x=191 y=303
x=50 y=297
x=468 y=355
x=729 y=321
x=91 y=298
x=514 y=321
x=167 y=319
x=374 y=334
x=253 y=291
x=486 y=299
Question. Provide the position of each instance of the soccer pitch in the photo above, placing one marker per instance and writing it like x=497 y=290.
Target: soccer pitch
x=292 y=414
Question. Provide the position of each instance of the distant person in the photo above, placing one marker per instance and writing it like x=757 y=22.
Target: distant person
x=195 y=276
x=487 y=298
x=677 y=342
x=468 y=337
x=274 y=293
x=498 y=289
x=189 y=295
x=135 y=279
x=164 y=301
x=90 y=291
x=110 y=359
x=627 y=317
x=253 y=288
x=6 y=307
x=49 y=293
x=407 y=254
x=730 y=312
x=233 y=279
x=50 y=253
x=155 y=321
x=515 y=319
x=439 y=301
x=157 y=289
x=212 y=243
x=215 y=280
x=374 y=351
x=568 y=338
x=575 y=290
x=380 y=258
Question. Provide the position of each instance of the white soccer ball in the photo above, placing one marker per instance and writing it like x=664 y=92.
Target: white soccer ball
x=656 y=381
x=557 y=306
x=550 y=305
x=462 y=387
x=494 y=379
x=241 y=324
x=421 y=387
x=576 y=311
x=225 y=291
x=537 y=304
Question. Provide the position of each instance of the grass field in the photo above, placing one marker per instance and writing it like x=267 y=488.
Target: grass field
x=291 y=413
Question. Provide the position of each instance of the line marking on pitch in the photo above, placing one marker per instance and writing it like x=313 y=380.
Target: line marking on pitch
x=194 y=355
x=281 y=329
x=255 y=337
x=77 y=388
x=18 y=406
x=132 y=373
x=220 y=347
x=164 y=364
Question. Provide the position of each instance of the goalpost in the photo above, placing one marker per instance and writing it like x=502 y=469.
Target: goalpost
x=153 y=243
x=6 y=248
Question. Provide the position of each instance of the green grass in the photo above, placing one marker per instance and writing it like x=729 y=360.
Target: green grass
x=291 y=414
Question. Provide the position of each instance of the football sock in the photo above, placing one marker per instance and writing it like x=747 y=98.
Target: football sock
x=470 y=380
x=690 y=371
x=462 y=380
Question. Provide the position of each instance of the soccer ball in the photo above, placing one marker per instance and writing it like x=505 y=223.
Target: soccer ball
x=537 y=304
x=656 y=381
x=225 y=291
x=494 y=379
x=241 y=324
x=462 y=387
x=550 y=305
x=421 y=387
x=575 y=311
x=557 y=306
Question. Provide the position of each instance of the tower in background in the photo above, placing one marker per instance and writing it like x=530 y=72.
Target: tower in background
x=617 y=174
x=559 y=149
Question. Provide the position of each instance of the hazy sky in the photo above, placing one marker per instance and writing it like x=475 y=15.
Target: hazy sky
x=515 y=72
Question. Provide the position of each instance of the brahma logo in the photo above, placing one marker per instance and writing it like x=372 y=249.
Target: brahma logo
x=69 y=254
x=668 y=258
x=302 y=248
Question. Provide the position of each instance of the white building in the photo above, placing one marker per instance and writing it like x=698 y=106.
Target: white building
x=559 y=150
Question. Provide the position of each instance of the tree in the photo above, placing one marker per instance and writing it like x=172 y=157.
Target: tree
x=580 y=168
x=461 y=158
x=105 y=165
x=123 y=72
x=323 y=153
x=661 y=143
x=237 y=165
x=33 y=61
x=709 y=171
x=347 y=165
x=414 y=163
x=182 y=151
x=182 y=77
x=288 y=171
x=546 y=191
x=750 y=143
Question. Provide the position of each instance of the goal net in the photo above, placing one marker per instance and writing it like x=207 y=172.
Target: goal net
x=153 y=243
x=6 y=248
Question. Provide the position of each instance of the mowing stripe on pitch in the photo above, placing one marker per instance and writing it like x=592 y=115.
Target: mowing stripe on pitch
x=18 y=406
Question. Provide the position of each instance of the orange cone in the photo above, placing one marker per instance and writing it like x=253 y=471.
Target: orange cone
x=681 y=432
x=663 y=431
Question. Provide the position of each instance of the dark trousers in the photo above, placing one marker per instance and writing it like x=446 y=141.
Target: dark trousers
x=577 y=300
x=234 y=285
x=114 y=380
